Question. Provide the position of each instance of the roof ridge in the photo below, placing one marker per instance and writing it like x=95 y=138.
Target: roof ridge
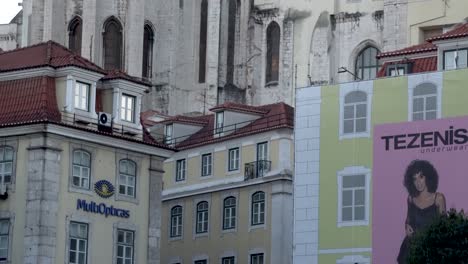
x=23 y=48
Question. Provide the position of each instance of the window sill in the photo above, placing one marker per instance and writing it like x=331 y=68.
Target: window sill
x=174 y=239
x=200 y=235
x=233 y=172
x=355 y=135
x=271 y=84
x=255 y=227
x=353 y=223
x=203 y=177
x=79 y=190
x=229 y=231
x=120 y=197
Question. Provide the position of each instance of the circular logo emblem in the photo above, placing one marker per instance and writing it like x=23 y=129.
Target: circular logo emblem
x=103 y=119
x=104 y=188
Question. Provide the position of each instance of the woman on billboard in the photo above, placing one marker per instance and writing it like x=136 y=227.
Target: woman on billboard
x=424 y=202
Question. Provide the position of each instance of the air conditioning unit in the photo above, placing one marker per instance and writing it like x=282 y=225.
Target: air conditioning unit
x=104 y=119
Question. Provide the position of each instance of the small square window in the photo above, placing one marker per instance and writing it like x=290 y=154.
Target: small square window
x=233 y=159
x=127 y=108
x=207 y=164
x=180 y=170
x=82 y=96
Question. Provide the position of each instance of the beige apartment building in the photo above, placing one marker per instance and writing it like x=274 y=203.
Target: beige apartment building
x=227 y=194
x=80 y=180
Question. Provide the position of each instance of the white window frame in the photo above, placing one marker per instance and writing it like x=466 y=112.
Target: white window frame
x=124 y=107
x=353 y=259
x=168 y=133
x=227 y=260
x=78 y=240
x=455 y=62
x=346 y=88
x=253 y=207
x=180 y=172
x=179 y=225
x=206 y=164
x=205 y=218
x=351 y=171
x=219 y=123
x=251 y=261
x=229 y=214
x=4 y=163
x=233 y=159
x=415 y=80
x=127 y=176
x=125 y=245
x=6 y=240
x=79 y=98
x=81 y=167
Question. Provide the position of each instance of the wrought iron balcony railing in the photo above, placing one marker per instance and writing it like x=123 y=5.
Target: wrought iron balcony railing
x=256 y=169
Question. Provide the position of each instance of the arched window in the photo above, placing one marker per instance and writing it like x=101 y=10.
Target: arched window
x=229 y=213
x=258 y=208
x=176 y=221
x=75 y=29
x=425 y=102
x=202 y=217
x=355 y=112
x=148 y=42
x=273 y=52
x=367 y=64
x=6 y=164
x=81 y=169
x=127 y=177
x=203 y=41
x=112 y=44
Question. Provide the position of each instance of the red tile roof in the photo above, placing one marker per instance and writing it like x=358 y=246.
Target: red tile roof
x=240 y=108
x=118 y=74
x=27 y=101
x=275 y=116
x=459 y=31
x=194 y=120
x=421 y=48
x=42 y=55
x=419 y=65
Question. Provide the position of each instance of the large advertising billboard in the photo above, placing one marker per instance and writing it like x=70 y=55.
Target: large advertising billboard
x=420 y=169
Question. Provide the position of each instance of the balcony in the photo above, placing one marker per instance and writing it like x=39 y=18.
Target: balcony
x=256 y=169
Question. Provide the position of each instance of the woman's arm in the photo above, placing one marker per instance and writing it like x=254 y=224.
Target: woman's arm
x=440 y=202
x=408 y=228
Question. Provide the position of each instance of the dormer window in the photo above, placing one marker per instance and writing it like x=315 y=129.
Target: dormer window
x=219 y=122
x=398 y=69
x=455 y=59
x=127 y=108
x=82 y=96
x=168 y=133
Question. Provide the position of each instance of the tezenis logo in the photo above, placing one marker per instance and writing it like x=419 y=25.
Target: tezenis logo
x=448 y=137
x=101 y=208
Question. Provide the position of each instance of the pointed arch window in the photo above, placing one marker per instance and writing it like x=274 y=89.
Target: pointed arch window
x=273 y=52
x=367 y=64
x=148 y=42
x=203 y=41
x=112 y=44
x=75 y=30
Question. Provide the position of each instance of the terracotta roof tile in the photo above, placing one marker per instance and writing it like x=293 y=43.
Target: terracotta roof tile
x=460 y=31
x=42 y=55
x=118 y=74
x=279 y=115
x=240 y=107
x=421 y=48
x=419 y=65
x=28 y=100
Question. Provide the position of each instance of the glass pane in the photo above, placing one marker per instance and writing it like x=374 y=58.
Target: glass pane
x=418 y=104
x=128 y=261
x=121 y=189
x=73 y=244
x=367 y=74
x=82 y=245
x=431 y=103
x=85 y=172
x=462 y=59
x=72 y=257
x=131 y=168
x=349 y=111
x=2 y=154
x=418 y=116
x=130 y=191
x=361 y=110
x=361 y=125
x=76 y=181
x=354 y=181
x=73 y=230
x=359 y=197
x=8 y=154
x=449 y=62
x=85 y=159
x=431 y=115
x=120 y=251
x=76 y=171
x=131 y=181
x=83 y=231
x=366 y=55
x=81 y=258
x=7 y=178
x=425 y=89
x=359 y=213
x=8 y=168
x=119 y=261
x=129 y=237
x=355 y=97
x=347 y=214
x=128 y=251
x=347 y=198
x=124 y=166
x=77 y=157
x=348 y=126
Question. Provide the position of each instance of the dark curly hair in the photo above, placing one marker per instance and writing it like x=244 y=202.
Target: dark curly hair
x=429 y=172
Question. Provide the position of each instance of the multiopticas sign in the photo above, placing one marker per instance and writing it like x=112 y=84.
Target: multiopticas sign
x=101 y=208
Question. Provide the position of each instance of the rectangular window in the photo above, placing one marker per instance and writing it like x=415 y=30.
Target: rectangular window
x=207 y=164
x=81 y=169
x=353 y=195
x=180 y=170
x=228 y=260
x=256 y=258
x=78 y=248
x=6 y=164
x=4 y=238
x=233 y=159
x=219 y=122
x=82 y=96
x=168 y=133
x=125 y=246
x=127 y=108
x=455 y=59
x=204 y=261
